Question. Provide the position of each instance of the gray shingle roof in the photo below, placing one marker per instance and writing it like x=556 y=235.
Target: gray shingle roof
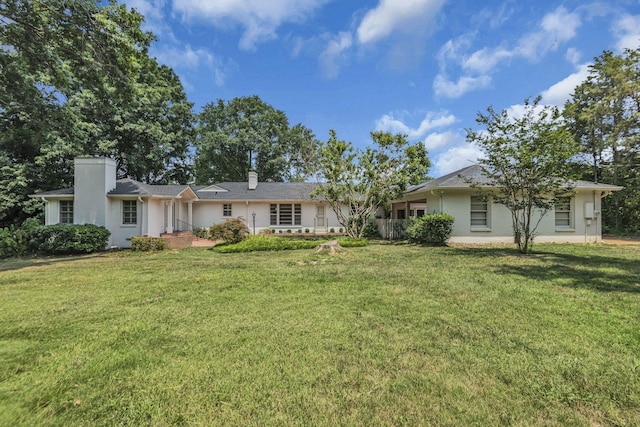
x=131 y=187
x=462 y=178
x=264 y=191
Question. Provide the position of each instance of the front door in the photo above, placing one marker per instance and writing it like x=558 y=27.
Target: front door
x=320 y=219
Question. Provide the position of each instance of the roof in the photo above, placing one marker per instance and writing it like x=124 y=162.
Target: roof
x=295 y=191
x=130 y=187
x=464 y=177
x=299 y=191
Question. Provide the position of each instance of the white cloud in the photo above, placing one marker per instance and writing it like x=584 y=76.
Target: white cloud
x=627 y=30
x=557 y=27
x=559 y=93
x=259 y=18
x=187 y=58
x=390 y=123
x=484 y=60
x=334 y=53
x=437 y=140
x=444 y=87
x=573 y=55
x=391 y=16
x=456 y=158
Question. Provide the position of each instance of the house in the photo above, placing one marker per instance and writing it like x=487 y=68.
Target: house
x=130 y=208
x=479 y=220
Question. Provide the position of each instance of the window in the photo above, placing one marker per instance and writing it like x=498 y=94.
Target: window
x=226 y=209
x=479 y=212
x=285 y=214
x=402 y=214
x=129 y=212
x=66 y=211
x=563 y=213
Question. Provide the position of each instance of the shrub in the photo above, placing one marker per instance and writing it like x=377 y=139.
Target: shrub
x=69 y=238
x=146 y=244
x=11 y=243
x=371 y=231
x=332 y=230
x=231 y=231
x=306 y=230
x=202 y=232
x=433 y=229
x=273 y=243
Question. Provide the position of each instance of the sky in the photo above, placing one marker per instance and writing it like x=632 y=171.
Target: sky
x=424 y=68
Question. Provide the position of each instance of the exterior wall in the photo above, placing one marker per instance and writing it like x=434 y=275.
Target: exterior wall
x=52 y=211
x=207 y=213
x=499 y=229
x=155 y=217
x=121 y=234
x=93 y=179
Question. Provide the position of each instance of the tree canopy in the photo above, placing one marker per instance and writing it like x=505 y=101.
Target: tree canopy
x=365 y=180
x=527 y=159
x=247 y=133
x=604 y=117
x=76 y=79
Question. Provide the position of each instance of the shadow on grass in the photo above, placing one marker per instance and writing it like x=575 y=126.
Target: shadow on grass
x=41 y=260
x=593 y=272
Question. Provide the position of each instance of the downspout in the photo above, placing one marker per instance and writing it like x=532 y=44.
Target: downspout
x=142 y=223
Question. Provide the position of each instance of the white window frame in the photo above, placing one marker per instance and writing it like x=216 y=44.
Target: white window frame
x=227 y=210
x=482 y=215
x=564 y=214
x=129 y=216
x=64 y=212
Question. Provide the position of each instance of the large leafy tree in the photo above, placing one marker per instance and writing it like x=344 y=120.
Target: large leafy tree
x=75 y=77
x=362 y=181
x=604 y=117
x=247 y=133
x=150 y=136
x=527 y=164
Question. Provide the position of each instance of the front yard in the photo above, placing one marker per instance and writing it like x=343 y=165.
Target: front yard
x=382 y=335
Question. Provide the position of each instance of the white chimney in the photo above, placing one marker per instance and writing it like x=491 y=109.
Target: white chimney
x=253 y=180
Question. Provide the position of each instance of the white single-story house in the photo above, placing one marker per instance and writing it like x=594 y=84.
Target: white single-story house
x=130 y=208
x=479 y=220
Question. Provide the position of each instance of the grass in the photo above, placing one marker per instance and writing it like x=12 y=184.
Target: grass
x=382 y=335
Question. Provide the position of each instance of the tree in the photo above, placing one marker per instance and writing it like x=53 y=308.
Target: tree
x=527 y=164
x=604 y=117
x=245 y=134
x=76 y=79
x=364 y=181
x=150 y=135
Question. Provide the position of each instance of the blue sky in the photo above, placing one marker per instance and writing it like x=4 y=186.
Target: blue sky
x=419 y=67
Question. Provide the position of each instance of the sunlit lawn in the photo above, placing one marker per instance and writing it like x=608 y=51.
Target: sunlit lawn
x=382 y=335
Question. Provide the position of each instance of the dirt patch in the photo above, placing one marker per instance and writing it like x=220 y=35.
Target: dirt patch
x=620 y=240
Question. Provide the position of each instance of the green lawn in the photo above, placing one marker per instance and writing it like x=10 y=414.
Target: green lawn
x=382 y=335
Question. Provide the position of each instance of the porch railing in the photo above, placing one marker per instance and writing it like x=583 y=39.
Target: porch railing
x=392 y=229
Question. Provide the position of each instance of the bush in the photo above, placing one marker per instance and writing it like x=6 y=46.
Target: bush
x=273 y=243
x=69 y=239
x=371 y=231
x=230 y=231
x=434 y=229
x=202 y=232
x=146 y=244
x=12 y=243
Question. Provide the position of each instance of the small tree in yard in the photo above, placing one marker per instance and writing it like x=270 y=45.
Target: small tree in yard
x=365 y=180
x=527 y=164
